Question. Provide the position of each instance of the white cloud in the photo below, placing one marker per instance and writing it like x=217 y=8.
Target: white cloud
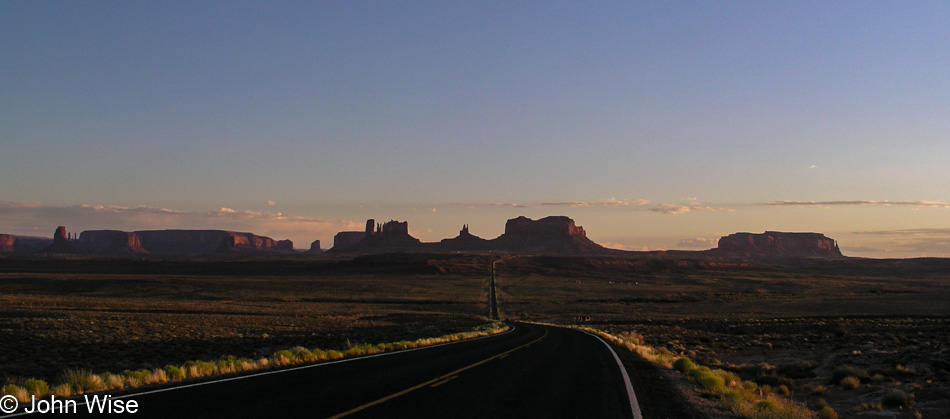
x=611 y=202
x=670 y=209
x=271 y=203
x=820 y=204
x=683 y=209
x=699 y=242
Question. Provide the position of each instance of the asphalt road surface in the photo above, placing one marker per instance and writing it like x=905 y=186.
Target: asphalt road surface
x=530 y=372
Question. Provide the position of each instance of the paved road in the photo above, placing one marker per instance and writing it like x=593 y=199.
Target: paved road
x=532 y=371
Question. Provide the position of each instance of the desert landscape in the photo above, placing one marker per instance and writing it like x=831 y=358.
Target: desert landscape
x=747 y=201
x=860 y=336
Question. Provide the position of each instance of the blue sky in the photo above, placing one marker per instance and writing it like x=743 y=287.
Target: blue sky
x=653 y=125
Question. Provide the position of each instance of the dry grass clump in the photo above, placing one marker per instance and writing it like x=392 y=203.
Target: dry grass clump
x=16 y=391
x=850 y=383
x=844 y=371
x=827 y=413
x=896 y=398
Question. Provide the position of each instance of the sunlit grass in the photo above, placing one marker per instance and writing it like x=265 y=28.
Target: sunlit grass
x=78 y=381
x=744 y=399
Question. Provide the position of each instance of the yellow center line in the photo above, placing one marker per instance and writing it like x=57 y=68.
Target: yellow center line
x=434 y=380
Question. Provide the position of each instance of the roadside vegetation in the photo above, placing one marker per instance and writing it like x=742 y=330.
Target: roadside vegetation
x=78 y=381
x=742 y=398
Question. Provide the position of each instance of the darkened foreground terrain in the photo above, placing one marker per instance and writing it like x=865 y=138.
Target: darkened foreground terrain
x=803 y=324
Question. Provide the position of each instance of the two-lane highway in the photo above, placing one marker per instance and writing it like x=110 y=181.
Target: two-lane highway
x=531 y=371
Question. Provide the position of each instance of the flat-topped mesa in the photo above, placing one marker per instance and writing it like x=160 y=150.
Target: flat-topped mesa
x=346 y=240
x=207 y=241
x=555 y=234
x=177 y=242
x=110 y=241
x=390 y=236
x=777 y=244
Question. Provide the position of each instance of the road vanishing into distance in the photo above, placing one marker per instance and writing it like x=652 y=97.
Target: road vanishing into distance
x=531 y=371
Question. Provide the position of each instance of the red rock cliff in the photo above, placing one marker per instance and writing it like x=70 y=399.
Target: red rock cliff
x=7 y=242
x=556 y=234
x=777 y=244
x=110 y=241
x=207 y=241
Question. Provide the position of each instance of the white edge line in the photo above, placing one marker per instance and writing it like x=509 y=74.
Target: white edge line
x=82 y=402
x=634 y=406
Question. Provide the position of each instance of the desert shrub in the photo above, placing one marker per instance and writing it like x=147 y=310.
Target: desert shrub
x=137 y=377
x=696 y=372
x=819 y=389
x=895 y=398
x=863 y=407
x=174 y=373
x=684 y=365
x=774 y=381
x=319 y=354
x=112 y=381
x=783 y=390
x=16 y=391
x=798 y=370
x=711 y=381
x=766 y=408
x=196 y=369
x=63 y=390
x=850 y=383
x=750 y=371
x=303 y=354
x=81 y=381
x=157 y=376
x=331 y=354
x=284 y=357
x=35 y=387
x=842 y=371
x=827 y=413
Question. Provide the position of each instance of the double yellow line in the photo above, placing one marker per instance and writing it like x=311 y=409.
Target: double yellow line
x=442 y=379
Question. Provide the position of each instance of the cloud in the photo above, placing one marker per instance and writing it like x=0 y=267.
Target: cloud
x=612 y=202
x=700 y=242
x=271 y=203
x=910 y=232
x=670 y=209
x=909 y=242
x=683 y=209
x=38 y=219
x=819 y=204
x=627 y=247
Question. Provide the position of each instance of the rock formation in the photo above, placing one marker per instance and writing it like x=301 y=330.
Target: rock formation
x=61 y=242
x=110 y=241
x=556 y=234
x=775 y=244
x=465 y=241
x=206 y=241
x=315 y=247
x=176 y=242
x=7 y=243
x=346 y=240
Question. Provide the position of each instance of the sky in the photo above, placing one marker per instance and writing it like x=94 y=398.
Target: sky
x=654 y=125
